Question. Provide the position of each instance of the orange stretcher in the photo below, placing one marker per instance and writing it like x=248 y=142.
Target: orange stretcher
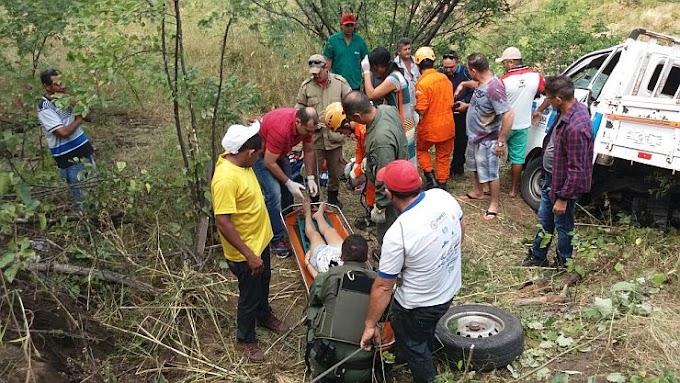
x=294 y=219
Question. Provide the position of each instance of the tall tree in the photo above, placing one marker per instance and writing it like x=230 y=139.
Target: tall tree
x=383 y=22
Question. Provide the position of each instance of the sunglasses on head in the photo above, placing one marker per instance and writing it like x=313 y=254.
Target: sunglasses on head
x=316 y=62
x=449 y=56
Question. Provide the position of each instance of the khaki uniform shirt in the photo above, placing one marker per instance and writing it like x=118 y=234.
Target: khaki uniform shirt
x=312 y=94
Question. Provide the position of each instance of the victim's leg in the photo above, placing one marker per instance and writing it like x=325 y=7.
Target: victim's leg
x=329 y=233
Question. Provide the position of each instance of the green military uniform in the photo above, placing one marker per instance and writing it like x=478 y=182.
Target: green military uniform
x=347 y=57
x=325 y=306
x=327 y=143
x=385 y=142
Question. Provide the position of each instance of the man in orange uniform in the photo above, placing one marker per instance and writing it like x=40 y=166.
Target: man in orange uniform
x=434 y=104
x=338 y=122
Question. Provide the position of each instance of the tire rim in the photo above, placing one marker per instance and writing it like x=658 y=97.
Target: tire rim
x=536 y=184
x=473 y=324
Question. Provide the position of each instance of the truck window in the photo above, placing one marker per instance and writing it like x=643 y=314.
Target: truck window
x=670 y=87
x=585 y=78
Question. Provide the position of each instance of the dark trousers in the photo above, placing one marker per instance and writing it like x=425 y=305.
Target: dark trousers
x=276 y=195
x=253 y=297
x=414 y=337
x=391 y=215
x=459 y=144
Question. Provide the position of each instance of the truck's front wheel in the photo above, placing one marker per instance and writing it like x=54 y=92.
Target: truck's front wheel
x=532 y=182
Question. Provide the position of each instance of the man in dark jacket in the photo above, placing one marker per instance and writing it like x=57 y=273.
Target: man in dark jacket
x=457 y=73
x=339 y=292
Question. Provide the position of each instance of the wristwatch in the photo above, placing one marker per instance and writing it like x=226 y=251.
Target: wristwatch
x=501 y=144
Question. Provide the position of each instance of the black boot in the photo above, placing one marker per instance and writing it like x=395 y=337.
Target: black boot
x=429 y=181
x=333 y=199
x=441 y=185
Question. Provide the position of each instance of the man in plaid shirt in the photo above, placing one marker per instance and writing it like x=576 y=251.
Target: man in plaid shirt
x=567 y=169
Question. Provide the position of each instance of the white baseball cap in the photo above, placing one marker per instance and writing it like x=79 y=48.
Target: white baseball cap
x=237 y=135
x=511 y=53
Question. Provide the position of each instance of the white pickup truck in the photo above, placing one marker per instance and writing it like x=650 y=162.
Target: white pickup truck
x=633 y=93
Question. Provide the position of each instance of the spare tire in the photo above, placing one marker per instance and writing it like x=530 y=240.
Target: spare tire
x=497 y=336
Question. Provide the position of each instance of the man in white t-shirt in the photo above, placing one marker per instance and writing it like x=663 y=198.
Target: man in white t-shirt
x=522 y=85
x=407 y=63
x=424 y=246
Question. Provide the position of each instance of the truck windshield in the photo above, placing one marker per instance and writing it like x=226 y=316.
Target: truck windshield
x=587 y=78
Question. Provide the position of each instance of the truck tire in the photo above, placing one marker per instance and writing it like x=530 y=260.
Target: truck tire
x=532 y=182
x=497 y=336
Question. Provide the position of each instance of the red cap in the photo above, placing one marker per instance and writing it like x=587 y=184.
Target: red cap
x=348 y=18
x=400 y=176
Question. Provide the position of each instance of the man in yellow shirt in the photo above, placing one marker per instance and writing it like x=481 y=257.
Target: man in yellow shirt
x=245 y=231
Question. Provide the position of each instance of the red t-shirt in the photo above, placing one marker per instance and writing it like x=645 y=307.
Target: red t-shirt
x=278 y=133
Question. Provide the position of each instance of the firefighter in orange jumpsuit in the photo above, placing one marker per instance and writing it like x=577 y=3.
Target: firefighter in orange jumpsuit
x=338 y=122
x=434 y=104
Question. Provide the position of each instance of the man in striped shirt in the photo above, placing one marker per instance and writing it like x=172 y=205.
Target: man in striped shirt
x=68 y=144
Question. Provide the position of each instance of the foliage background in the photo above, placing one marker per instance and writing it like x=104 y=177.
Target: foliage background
x=144 y=211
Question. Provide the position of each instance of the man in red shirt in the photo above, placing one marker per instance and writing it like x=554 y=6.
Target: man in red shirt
x=281 y=129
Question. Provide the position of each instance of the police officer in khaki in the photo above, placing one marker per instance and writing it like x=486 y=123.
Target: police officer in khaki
x=318 y=91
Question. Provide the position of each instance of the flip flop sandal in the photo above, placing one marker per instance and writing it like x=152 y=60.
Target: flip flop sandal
x=469 y=197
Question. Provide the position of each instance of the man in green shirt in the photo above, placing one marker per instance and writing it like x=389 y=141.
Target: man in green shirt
x=344 y=51
x=385 y=142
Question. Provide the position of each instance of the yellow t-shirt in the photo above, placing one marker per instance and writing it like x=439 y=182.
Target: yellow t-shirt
x=235 y=191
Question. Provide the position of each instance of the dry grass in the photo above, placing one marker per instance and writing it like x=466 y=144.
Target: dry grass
x=187 y=334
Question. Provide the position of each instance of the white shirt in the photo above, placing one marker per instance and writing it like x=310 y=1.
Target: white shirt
x=521 y=85
x=411 y=76
x=424 y=245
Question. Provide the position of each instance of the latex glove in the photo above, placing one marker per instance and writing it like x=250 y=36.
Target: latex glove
x=356 y=175
x=365 y=65
x=295 y=188
x=348 y=168
x=377 y=215
x=353 y=174
x=312 y=187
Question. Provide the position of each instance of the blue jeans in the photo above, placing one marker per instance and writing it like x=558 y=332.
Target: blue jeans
x=253 y=297
x=74 y=176
x=414 y=337
x=563 y=224
x=276 y=195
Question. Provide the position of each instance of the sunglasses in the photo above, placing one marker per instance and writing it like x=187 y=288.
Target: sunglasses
x=315 y=62
x=450 y=56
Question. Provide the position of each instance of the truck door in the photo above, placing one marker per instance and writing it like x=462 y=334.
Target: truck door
x=589 y=75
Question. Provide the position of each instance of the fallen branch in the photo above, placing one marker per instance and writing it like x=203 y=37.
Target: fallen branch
x=106 y=275
x=546 y=299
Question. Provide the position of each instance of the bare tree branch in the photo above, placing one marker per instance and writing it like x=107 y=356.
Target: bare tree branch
x=106 y=275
